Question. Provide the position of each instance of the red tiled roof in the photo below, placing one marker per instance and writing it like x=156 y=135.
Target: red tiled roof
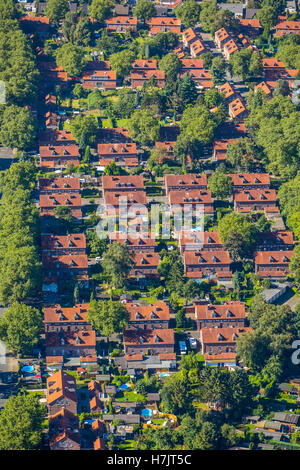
x=227 y=89
x=130 y=182
x=59 y=385
x=147 y=74
x=156 y=311
x=222 y=335
x=272 y=62
x=184 y=181
x=67 y=199
x=122 y=20
x=144 y=260
x=191 y=64
x=149 y=337
x=54 y=314
x=197 y=47
x=59 y=151
x=207 y=238
x=236 y=107
x=139 y=240
x=256 y=195
x=55 y=184
x=264 y=87
x=191 y=196
x=70 y=261
x=72 y=241
x=189 y=35
x=136 y=197
x=273 y=257
x=113 y=149
x=71 y=338
x=204 y=257
x=233 y=309
x=250 y=23
x=239 y=179
x=148 y=64
x=164 y=21
x=99 y=74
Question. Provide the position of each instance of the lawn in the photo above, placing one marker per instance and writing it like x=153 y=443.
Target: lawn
x=131 y=396
x=127 y=444
x=122 y=123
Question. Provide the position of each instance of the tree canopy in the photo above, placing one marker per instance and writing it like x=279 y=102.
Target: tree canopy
x=108 y=317
x=21 y=423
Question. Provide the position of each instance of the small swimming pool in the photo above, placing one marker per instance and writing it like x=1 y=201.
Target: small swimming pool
x=89 y=420
x=164 y=374
x=124 y=387
x=27 y=369
x=147 y=413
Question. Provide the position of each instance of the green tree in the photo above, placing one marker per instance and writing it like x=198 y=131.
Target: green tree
x=220 y=185
x=21 y=423
x=241 y=154
x=175 y=395
x=84 y=126
x=20 y=327
x=144 y=10
x=235 y=222
x=121 y=62
x=144 y=127
x=101 y=9
x=56 y=9
x=17 y=128
x=267 y=17
x=117 y=263
x=188 y=12
x=71 y=58
x=108 y=317
x=8 y=10
x=20 y=272
x=187 y=90
x=171 y=65
x=218 y=70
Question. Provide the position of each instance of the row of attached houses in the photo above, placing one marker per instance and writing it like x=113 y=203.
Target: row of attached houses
x=62 y=411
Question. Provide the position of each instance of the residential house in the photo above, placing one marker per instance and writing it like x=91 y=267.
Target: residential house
x=284 y=28
x=164 y=24
x=58 y=156
x=248 y=200
x=64 y=431
x=281 y=240
x=207 y=264
x=216 y=341
x=51 y=186
x=136 y=242
x=139 y=77
x=80 y=345
x=94 y=397
x=230 y=314
x=273 y=264
x=194 y=241
x=57 y=318
x=145 y=265
x=148 y=317
x=189 y=181
x=221 y=37
x=101 y=79
x=242 y=181
x=194 y=199
x=123 y=183
x=237 y=109
x=121 y=24
x=151 y=342
x=61 y=393
x=123 y=154
x=48 y=204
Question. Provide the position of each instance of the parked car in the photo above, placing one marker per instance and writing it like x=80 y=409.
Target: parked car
x=193 y=343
